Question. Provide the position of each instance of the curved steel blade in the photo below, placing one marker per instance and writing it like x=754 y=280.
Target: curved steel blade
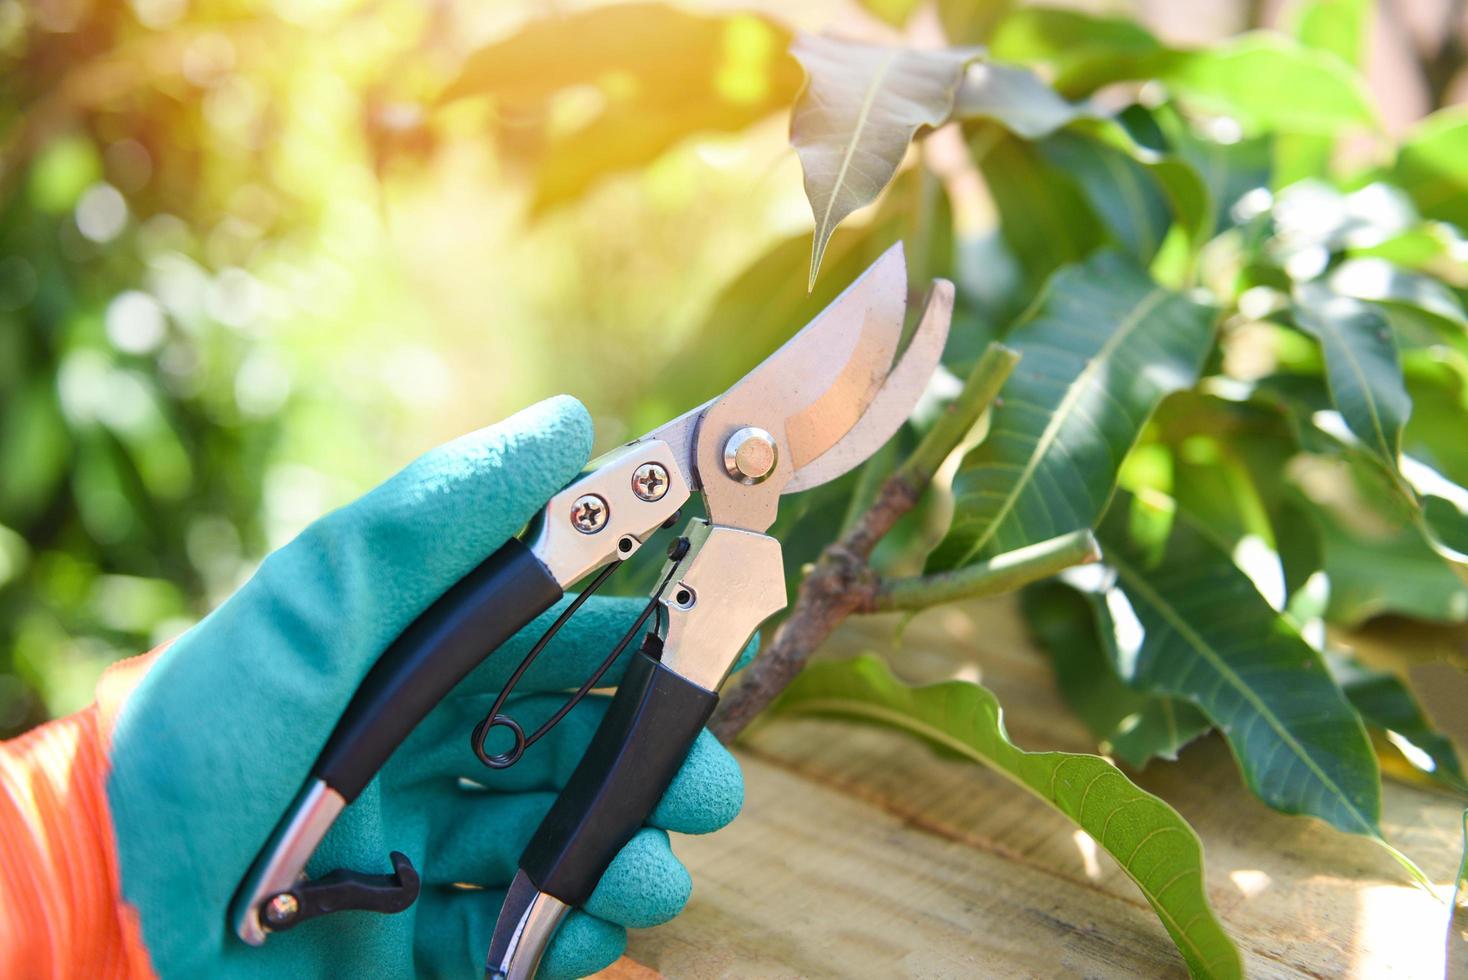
x=807 y=395
x=893 y=403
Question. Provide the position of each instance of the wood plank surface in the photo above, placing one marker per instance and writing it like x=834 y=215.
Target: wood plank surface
x=860 y=853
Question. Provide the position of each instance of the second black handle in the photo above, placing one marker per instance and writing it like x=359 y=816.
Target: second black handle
x=636 y=751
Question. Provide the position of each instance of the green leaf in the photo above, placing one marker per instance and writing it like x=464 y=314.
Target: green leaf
x=1153 y=845
x=971 y=21
x=1083 y=51
x=1337 y=26
x=1423 y=307
x=1101 y=349
x=1045 y=220
x=861 y=107
x=1134 y=726
x=1386 y=703
x=1362 y=370
x=1229 y=171
x=1374 y=554
x=894 y=12
x=1017 y=99
x=1197 y=628
x=660 y=75
x=1268 y=82
x=1432 y=166
x=1120 y=190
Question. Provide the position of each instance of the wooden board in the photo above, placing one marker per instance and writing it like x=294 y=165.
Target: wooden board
x=861 y=854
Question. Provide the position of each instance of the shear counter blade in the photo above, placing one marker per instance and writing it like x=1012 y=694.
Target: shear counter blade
x=893 y=403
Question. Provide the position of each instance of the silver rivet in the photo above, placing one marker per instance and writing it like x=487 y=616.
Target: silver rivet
x=589 y=513
x=750 y=455
x=650 y=482
x=282 y=908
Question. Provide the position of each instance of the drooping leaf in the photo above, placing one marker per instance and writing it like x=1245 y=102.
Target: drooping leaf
x=1153 y=845
x=1195 y=627
x=1100 y=350
x=660 y=75
x=1362 y=370
x=861 y=107
x=1271 y=83
x=1084 y=51
x=1134 y=726
x=1432 y=166
x=1386 y=704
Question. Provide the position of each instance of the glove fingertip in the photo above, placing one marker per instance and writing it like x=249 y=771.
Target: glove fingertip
x=583 y=945
x=567 y=422
x=706 y=795
x=645 y=885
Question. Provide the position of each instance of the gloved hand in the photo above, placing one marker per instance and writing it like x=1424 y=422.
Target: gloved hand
x=209 y=748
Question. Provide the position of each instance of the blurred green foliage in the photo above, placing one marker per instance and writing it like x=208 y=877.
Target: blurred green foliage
x=254 y=256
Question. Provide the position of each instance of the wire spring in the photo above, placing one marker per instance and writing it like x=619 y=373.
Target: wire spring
x=496 y=718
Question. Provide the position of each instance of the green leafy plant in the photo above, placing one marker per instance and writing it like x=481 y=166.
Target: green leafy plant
x=1205 y=397
x=1223 y=373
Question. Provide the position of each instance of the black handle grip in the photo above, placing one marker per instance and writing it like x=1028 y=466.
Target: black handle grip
x=634 y=755
x=482 y=610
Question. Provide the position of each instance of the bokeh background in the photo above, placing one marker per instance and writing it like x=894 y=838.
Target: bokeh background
x=256 y=256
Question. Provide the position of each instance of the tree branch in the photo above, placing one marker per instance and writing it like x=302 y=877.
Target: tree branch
x=842 y=582
x=1004 y=573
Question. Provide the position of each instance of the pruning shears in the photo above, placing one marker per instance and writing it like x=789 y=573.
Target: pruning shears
x=815 y=409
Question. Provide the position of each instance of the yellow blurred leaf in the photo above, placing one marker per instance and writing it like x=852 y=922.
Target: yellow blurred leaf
x=612 y=88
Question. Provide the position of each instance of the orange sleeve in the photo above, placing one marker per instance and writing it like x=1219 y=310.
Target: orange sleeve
x=61 y=910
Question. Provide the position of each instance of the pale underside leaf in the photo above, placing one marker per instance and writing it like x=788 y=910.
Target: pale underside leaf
x=1153 y=845
x=861 y=106
x=1101 y=350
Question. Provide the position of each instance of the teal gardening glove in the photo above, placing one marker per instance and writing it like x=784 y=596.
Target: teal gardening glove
x=213 y=744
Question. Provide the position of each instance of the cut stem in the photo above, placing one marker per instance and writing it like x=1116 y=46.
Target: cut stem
x=1004 y=573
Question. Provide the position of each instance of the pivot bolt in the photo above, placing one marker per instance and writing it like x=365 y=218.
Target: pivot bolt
x=589 y=513
x=650 y=482
x=282 y=909
x=750 y=455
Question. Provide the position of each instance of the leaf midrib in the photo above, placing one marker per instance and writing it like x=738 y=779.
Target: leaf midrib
x=1062 y=412
x=1203 y=649
x=1366 y=392
x=961 y=747
x=868 y=101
